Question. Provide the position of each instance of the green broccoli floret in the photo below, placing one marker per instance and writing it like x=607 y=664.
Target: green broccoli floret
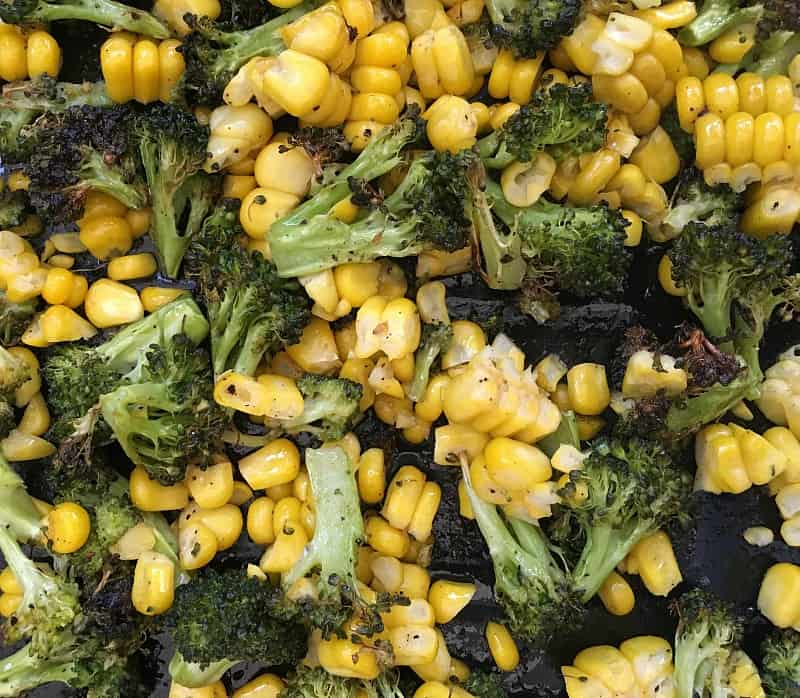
x=483 y=684
x=106 y=13
x=173 y=147
x=781 y=664
x=528 y=27
x=77 y=375
x=718 y=16
x=13 y=373
x=331 y=556
x=330 y=407
x=318 y=683
x=436 y=339
x=253 y=312
x=428 y=210
x=13 y=206
x=168 y=418
x=563 y=120
x=81 y=149
x=213 y=55
x=224 y=617
x=535 y=592
x=631 y=490
x=695 y=202
x=707 y=649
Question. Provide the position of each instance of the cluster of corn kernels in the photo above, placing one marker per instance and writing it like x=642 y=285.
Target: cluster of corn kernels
x=27 y=54
x=263 y=686
x=141 y=69
x=779 y=596
x=780 y=391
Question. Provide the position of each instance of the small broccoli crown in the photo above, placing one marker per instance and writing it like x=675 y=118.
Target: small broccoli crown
x=781 y=664
x=223 y=614
x=323 y=145
x=331 y=406
x=484 y=684
x=306 y=682
x=169 y=418
x=696 y=202
x=528 y=27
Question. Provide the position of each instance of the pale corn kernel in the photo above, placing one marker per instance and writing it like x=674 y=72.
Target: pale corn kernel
x=759 y=536
x=109 y=303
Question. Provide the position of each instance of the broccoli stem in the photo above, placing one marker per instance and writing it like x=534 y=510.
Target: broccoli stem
x=106 y=13
x=717 y=17
x=490 y=152
x=24 y=671
x=17 y=510
x=252 y=351
x=194 y=675
x=691 y=658
x=775 y=54
x=710 y=405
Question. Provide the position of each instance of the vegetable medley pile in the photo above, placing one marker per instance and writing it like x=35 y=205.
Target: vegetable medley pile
x=222 y=261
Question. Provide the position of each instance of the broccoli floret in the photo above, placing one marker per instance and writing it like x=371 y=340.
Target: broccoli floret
x=631 y=490
x=318 y=683
x=536 y=25
x=576 y=250
x=532 y=588
x=168 y=418
x=707 y=653
x=718 y=16
x=81 y=149
x=331 y=556
x=563 y=120
x=781 y=664
x=13 y=206
x=76 y=376
x=213 y=55
x=436 y=339
x=483 y=684
x=252 y=311
x=106 y=13
x=695 y=202
x=428 y=210
x=172 y=145
x=223 y=617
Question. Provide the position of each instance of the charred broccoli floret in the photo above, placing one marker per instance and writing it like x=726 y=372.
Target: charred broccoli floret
x=252 y=311
x=224 y=617
x=536 y=25
x=482 y=684
x=563 y=120
x=172 y=145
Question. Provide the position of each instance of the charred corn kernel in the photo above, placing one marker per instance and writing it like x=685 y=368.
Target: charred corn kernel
x=666 y=280
x=62 y=324
x=19 y=446
x=386 y=539
x=264 y=686
x=524 y=182
x=448 y=598
x=109 y=303
x=262 y=207
x=68 y=527
x=502 y=646
x=413 y=644
x=36 y=418
x=453 y=440
x=276 y=463
x=768 y=139
x=402 y=496
x=43 y=55
x=617 y=595
x=345 y=658
x=779 y=596
x=656 y=563
x=732 y=45
x=154 y=297
x=106 y=236
x=776 y=212
x=150 y=495
x=153 y=584
x=135 y=266
x=593 y=178
x=197 y=545
x=371 y=476
x=451 y=124
x=421 y=523
x=656 y=156
x=671 y=15
x=116 y=62
x=9 y=583
x=515 y=465
x=501 y=113
x=739 y=138
x=588 y=389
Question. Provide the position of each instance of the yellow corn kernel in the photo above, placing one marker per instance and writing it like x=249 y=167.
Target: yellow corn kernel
x=593 y=178
x=150 y=495
x=768 y=139
x=237 y=186
x=24 y=287
x=106 y=236
x=779 y=596
x=739 y=138
x=468 y=340
x=135 y=266
x=449 y=598
x=656 y=156
x=154 y=297
x=709 y=133
x=197 y=545
x=786 y=442
x=116 y=62
x=58 y=286
x=345 y=658
x=31 y=387
x=524 y=77
x=780 y=95
x=588 y=389
x=697 y=62
x=359 y=15
x=617 y=595
x=578 y=45
x=752 y=90
x=262 y=207
x=454 y=440
x=215 y=690
x=665 y=47
x=721 y=95
x=515 y=465
x=656 y=564
x=413 y=644
x=283 y=168
x=9 y=583
x=170 y=68
x=402 y=496
x=762 y=460
x=421 y=523
x=19 y=446
x=260 y=526
x=500 y=113
x=371 y=476
x=646 y=120
x=43 y=55
x=624 y=92
x=36 y=418
x=502 y=646
x=791 y=149
x=241 y=493
x=451 y=124
x=211 y=487
x=226 y=522
x=264 y=686
x=9 y=604
x=385 y=539
x=633 y=228
x=239 y=392
x=316 y=351
x=62 y=324
x=146 y=68
x=732 y=45
x=666 y=280
x=275 y=464
x=295 y=81
x=608 y=665
x=109 y=303
x=672 y=15
x=68 y=527
x=719 y=460
x=356 y=282
x=776 y=212
x=418 y=612
x=153 y=584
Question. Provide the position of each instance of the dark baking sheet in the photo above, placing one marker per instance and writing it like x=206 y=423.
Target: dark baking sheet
x=711 y=551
